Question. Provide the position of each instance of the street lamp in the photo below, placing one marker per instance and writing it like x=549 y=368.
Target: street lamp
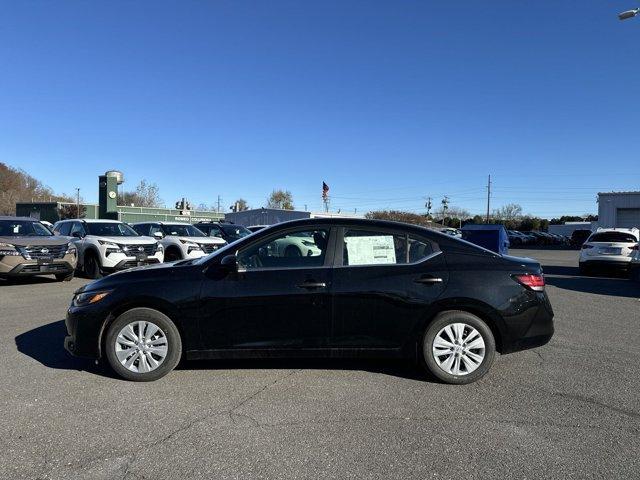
x=629 y=14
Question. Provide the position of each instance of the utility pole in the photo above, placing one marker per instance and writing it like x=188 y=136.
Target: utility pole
x=488 y=197
x=445 y=207
x=77 y=202
x=218 y=210
x=428 y=207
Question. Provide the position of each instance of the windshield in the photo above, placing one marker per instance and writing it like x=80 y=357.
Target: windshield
x=23 y=228
x=235 y=231
x=622 y=237
x=110 y=229
x=185 y=230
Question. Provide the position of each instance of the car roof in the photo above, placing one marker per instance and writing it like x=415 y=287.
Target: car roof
x=28 y=219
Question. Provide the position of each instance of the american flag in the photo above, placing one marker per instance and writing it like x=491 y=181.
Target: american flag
x=325 y=190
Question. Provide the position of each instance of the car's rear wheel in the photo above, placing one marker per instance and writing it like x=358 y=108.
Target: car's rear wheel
x=458 y=347
x=92 y=266
x=143 y=345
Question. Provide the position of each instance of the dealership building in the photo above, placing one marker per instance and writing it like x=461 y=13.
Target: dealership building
x=619 y=209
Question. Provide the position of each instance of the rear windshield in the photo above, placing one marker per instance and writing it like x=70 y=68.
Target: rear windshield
x=235 y=231
x=23 y=228
x=110 y=229
x=613 y=237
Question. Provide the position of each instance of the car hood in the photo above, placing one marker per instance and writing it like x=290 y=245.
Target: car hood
x=203 y=240
x=128 y=240
x=156 y=271
x=33 y=240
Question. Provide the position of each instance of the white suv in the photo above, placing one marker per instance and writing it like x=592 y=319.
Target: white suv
x=109 y=245
x=609 y=247
x=180 y=240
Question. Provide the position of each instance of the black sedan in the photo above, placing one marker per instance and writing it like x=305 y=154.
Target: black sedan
x=321 y=288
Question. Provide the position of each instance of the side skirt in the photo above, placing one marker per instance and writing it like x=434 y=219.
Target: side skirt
x=296 y=353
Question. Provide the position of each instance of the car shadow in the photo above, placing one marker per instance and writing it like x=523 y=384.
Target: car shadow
x=615 y=284
x=45 y=345
x=394 y=367
x=27 y=280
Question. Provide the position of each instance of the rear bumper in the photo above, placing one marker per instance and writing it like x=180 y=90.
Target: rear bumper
x=31 y=268
x=536 y=331
x=606 y=264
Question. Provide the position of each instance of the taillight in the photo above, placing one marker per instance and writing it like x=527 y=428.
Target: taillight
x=531 y=281
x=585 y=246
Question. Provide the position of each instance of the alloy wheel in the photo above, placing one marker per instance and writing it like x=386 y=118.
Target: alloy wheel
x=458 y=349
x=141 y=346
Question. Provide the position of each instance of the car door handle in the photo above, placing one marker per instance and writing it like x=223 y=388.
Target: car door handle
x=428 y=280
x=311 y=285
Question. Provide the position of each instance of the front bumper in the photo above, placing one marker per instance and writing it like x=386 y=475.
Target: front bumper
x=131 y=262
x=31 y=268
x=84 y=328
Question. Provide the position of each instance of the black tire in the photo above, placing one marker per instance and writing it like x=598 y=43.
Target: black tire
x=441 y=321
x=91 y=266
x=172 y=255
x=174 y=344
x=64 y=277
x=292 y=251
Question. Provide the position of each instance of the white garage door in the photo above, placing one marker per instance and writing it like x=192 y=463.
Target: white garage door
x=628 y=218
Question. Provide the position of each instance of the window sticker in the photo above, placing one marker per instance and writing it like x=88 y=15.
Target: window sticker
x=371 y=250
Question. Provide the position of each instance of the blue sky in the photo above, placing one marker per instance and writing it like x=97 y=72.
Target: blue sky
x=388 y=102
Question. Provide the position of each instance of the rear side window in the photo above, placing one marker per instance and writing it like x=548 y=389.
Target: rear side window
x=367 y=247
x=621 y=237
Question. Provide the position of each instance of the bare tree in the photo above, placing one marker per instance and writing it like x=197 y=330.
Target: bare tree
x=240 y=205
x=145 y=195
x=399 y=216
x=280 y=199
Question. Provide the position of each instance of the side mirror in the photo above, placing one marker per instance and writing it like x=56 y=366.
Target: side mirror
x=158 y=235
x=230 y=263
x=76 y=234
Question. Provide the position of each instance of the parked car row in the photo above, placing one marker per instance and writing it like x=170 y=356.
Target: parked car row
x=532 y=237
x=95 y=247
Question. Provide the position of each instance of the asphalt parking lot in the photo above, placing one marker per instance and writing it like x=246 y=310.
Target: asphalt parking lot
x=570 y=409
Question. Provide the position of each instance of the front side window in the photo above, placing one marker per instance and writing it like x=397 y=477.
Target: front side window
x=77 y=228
x=142 y=229
x=297 y=249
x=235 y=232
x=23 y=228
x=62 y=228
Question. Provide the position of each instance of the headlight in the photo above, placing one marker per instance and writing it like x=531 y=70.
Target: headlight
x=111 y=247
x=71 y=249
x=88 y=298
x=159 y=247
x=8 y=249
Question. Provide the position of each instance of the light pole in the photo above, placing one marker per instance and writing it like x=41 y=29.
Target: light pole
x=629 y=14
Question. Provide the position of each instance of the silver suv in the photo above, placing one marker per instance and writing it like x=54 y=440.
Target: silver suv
x=106 y=246
x=180 y=240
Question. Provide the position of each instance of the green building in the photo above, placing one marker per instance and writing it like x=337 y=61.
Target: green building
x=108 y=208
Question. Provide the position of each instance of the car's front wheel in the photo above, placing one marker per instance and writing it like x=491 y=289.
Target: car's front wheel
x=458 y=347
x=143 y=345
